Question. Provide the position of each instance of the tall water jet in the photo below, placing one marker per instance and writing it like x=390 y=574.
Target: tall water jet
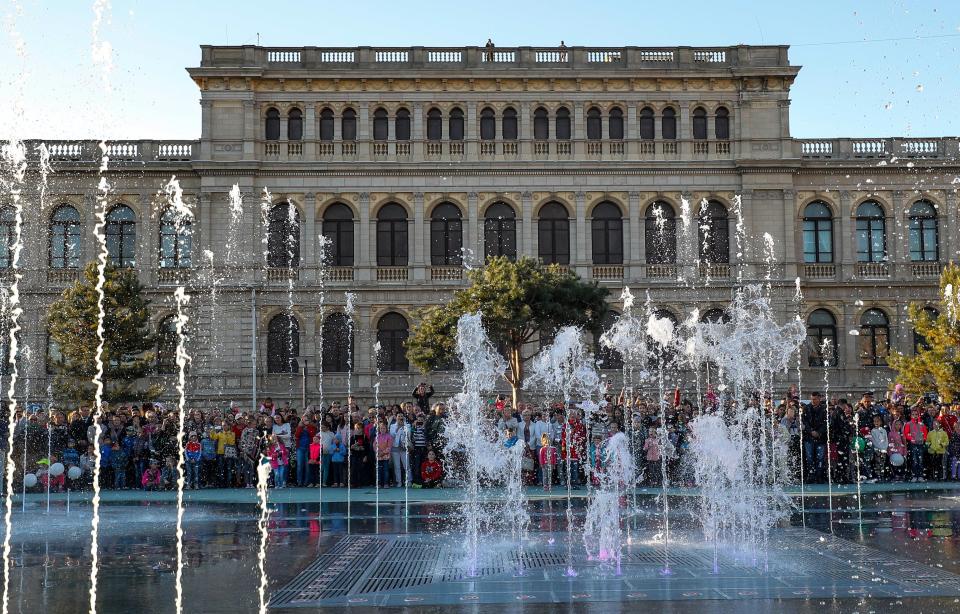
x=348 y=309
x=263 y=475
x=603 y=524
x=660 y=331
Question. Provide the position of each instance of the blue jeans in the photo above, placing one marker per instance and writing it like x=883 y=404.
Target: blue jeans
x=225 y=468
x=280 y=476
x=574 y=473
x=814 y=456
x=324 y=469
x=303 y=469
x=916 y=459
x=383 y=471
x=120 y=477
x=193 y=473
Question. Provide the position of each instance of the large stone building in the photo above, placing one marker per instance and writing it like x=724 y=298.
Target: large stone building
x=417 y=162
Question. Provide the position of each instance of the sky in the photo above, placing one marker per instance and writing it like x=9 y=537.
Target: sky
x=872 y=68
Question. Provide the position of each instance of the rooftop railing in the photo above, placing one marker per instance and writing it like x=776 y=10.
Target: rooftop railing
x=480 y=57
x=889 y=148
x=117 y=151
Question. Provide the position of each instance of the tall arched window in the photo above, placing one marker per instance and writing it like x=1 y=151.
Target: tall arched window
x=553 y=231
x=871 y=233
x=283 y=344
x=295 y=125
x=488 y=124
x=121 y=234
x=874 y=338
x=721 y=123
x=510 y=124
x=821 y=327
x=616 y=124
x=606 y=227
x=500 y=231
x=446 y=236
x=919 y=341
x=924 y=232
x=817 y=233
x=660 y=233
x=646 y=124
x=563 y=124
x=401 y=130
x=8 y=224
x=380 y=125
x=606 y=357
x=283 y=236
x=594 y=124
x=338 y=230
x=668 y=124
x=272 y=125
x=166 y=359
x=348 y=125
x=541 y=124
x=714 y=234
x=337 y=339
x=392 y=235
x=65 y=238
x=326 y=124
x=392 y=333
x=176 y=240
x=699 y=123
x=434 y=124
x=456 y=124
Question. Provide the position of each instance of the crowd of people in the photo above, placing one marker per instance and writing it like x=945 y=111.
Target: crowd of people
x=403 y=445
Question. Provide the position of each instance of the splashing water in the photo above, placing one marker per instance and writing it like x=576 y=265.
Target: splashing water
x=348 y=309
x=183 y=359
x=263 y=474
x=236 y=220
x=602 y=526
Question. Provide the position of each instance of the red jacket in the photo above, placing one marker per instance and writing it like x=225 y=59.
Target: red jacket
x=311 y=431
x=913 y=430
x=578 y=439
x=431 y=471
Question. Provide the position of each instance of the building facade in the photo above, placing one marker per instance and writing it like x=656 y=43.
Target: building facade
x=386 y=173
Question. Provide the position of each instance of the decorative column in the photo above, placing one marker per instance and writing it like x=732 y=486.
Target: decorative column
x=416 y=131
x=526 y=246
x=475 y=246
x=581 y=250
x=632 y=133
x=951 y=238
x=897 y=241
x=364 y=241
x=308 y=258
x=471 y=133
x=251 y=126
x=635 y=237
x=206 y=129
x=847 y=237
x=310 y=132
x=791 y=269
x=147 y=240
x=419 y=273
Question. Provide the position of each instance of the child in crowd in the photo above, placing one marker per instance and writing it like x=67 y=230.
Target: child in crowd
x=57 y=482
x=338 y=455
x=119 y=460
x=279 y=459
x=880 y=443
x=954 y=450
x=652 y=447
x=937 y=442
x=548 y=461
x=169 y=474
x=431 y=471
x=151 y=477
x=208 y=458
x=194 y=454
x=315 y=455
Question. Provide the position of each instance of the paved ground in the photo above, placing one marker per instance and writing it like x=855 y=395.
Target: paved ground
x=448 y=495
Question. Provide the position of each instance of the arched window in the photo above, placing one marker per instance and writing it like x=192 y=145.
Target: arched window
x=924 y=232
x=338 y=230
x=65 y=238
x=488 y=124
x=817 y=233
x=715 y=316
x=714 y=234
x=699 y=123
x=563 y=124
x=326 y=125
x=871 y=233
x=821 y=327
x=919 y=341
x=380 y=125
x=337 y=340
x=392 y=332
x=7 y=236
x=668 y=124
x=166 y=360
x=295 y=125
x=660 y=233
x=646 y=123
x=176 y=240
x=402 y=125
x=434 y=124
x=348 y=125
x=616 y=124
x=874 y=338
x=541 y=124
x=553 y=231
x=283 y=236
x=594 y=124
x=283 y=344
x=392 y=235
x=121 y=234
x=606 y=227
x=500 y=231
x=509 y=124
x=272 y=126
x=446 y=236
x=721 y=123
x=456 y=124
x=607 y=358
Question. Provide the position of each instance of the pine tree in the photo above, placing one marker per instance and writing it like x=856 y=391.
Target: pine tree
x=936 y=364
x=129 y=342
x=519 y=301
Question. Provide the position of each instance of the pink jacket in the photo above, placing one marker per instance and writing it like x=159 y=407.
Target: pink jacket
x=278 y=455
x=151 y=477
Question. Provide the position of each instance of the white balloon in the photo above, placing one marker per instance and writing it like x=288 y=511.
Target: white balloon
x=30 y=480
x=56 y=469
x=74 y=473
